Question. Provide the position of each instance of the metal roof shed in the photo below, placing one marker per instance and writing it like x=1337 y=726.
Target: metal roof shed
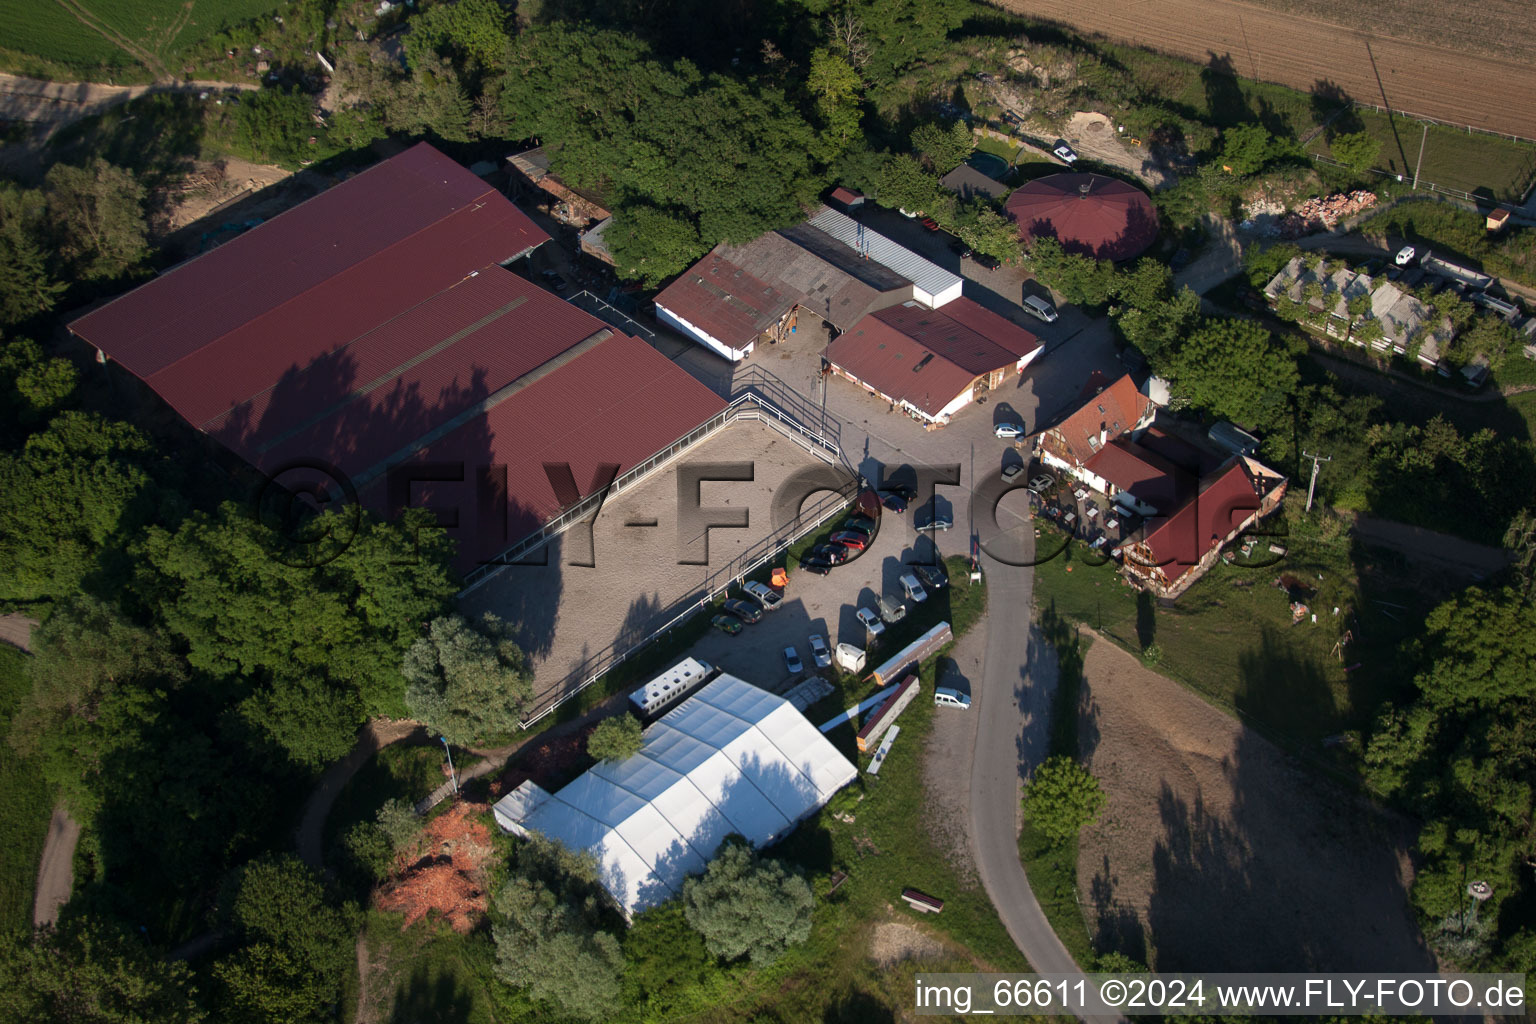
x=932 y=285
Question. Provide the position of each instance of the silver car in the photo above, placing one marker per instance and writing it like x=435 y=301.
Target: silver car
x=819 y=652
x=792 y=661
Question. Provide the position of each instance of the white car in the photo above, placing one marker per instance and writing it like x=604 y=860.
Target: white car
x=1008 y=431
x=763 y=594
x=819 y=653
x=792 y=661
x=1405 y=255
x=949 y=697
x=1064 y=150
x=871 y=620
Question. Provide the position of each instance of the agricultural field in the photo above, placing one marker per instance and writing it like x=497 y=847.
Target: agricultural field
x=1493 y=93
x=113 y=38
x=1467 y=161
x=1490 y=28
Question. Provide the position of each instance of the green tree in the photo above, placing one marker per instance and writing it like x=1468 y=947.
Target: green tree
x=556 y=933
x=28 y=285
x=942 y=149
x=472 y=33
x=88 y=973
x=1079 y=280
x=98 y=214
x=1246 y=148
x=1358 y=151
x=40 y=383
x=836 y=86
x=653 y=245
x=69 y=492
x=615 y=738
x=906 y=184
x=1235 y=369
x=469 y=685
x=745 y=905
x=1520 y=542
x=266 y=984
x=902 y=34
x=988 y=232
x=1061 y=798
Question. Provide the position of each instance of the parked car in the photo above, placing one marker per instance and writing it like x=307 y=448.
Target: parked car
x=933 y=576
x=949 y=697
x=960 y=249
x=895 y=502
x=1063 y=149
x=989 y=262
x=1042 y=483
x=929 y=223
x=819 y=566
x=1406 y=255
x=792 y=661
x=859 y=523
x=746 y=611
x=904 y=490
x=726 y=624
x=764 y=595
x=832 y=554
x=850 y=539
x=820 y=655
x=933 y=523
x=871 y=620
x=1008 y=431
x=912 y=587
x=1035 y=306
x=1012 y=470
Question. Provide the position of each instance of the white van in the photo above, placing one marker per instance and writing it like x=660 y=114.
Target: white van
x=1036 y=306
x=948 y=697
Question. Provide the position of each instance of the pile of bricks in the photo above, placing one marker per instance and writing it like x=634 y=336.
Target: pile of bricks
x=1323 y=214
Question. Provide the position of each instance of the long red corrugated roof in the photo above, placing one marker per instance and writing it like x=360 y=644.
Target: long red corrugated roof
x=235 y=322
x=618 y=403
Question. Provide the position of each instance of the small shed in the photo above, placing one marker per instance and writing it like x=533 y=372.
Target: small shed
x=847 y=198
x=1498 y=220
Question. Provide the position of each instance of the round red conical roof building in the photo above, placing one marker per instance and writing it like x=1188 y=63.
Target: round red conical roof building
x=1087 y=213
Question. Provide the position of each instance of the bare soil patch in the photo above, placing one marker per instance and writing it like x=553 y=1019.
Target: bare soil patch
x=894 y=942
x=212 y=184
x=1219 y=853
x=446 y=877
x=1494 y=93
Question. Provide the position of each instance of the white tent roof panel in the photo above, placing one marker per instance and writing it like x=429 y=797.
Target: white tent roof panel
x=732 y=758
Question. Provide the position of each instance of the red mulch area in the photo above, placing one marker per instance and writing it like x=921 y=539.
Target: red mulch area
x=448 y=880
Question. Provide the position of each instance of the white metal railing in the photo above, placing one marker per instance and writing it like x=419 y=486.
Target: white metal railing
x=749 y=406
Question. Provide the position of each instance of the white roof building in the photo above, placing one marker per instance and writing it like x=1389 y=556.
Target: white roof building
x=731 y=758
x=932 y=285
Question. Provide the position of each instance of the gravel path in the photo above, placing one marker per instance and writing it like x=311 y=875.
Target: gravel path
x=56 y=869
x=58 y=103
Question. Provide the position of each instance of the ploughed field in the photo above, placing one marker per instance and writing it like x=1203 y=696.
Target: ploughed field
x=1457 y=80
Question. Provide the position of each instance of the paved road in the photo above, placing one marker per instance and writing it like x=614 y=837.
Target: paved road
x=56 y=870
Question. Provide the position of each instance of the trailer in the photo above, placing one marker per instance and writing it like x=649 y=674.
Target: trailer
x=676 y=683
x=885 y=715
x=916 y=651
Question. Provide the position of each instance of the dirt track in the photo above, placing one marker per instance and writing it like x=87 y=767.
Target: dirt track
x=1497 y=95
x=1216 y=843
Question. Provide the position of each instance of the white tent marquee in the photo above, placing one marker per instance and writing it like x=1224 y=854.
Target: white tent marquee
x=731 y=758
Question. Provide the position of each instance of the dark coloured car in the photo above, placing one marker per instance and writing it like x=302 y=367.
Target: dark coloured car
x=895 y=502
x=989 y=262
x=835 y=554
x=960 y=249
x=819 y=566
x=904 y=490
x=726 y=624
x=746 y=611
x=863 y=525
x=850 y=539
x=933 y=576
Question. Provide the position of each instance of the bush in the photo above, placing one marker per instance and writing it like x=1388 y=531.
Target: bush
x=748 y=906
x=615 y=738
x=274 y=125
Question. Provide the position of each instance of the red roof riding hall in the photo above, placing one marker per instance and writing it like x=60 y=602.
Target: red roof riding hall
x=1088 y=213
x=372 y=329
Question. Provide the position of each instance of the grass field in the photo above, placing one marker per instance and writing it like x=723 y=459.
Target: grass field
x=1230 y=637
x=85 y=36
x=25 y=804
x=1468 y=161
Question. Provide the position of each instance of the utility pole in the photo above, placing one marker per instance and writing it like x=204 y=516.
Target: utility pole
x=451 y=775
x=1420 y=162
x=1317 y=461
